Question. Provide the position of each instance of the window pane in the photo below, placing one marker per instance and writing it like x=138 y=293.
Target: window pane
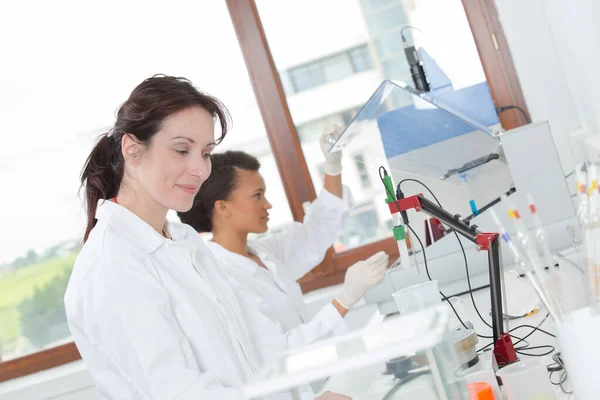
x=337 y=67
x=53 y=112
x=301 y=79
x=361 y=59
x=317 y=74
x=368 y=31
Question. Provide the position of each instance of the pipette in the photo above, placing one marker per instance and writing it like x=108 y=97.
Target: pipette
x=548 y=285
x=523 y=263
x=581 y=184
x=593 y=227
x=589 y=231
x=540 y=234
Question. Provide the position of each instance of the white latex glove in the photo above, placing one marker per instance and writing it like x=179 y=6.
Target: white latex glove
x=361 y=277
x=332 y=396
x=333 y=161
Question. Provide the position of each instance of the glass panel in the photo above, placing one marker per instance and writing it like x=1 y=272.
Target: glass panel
x=361 y=59
x=317 y=74
x=375 y=26
x=337 y=67
x=418 y=135
x=54 y=111
x=301 y=79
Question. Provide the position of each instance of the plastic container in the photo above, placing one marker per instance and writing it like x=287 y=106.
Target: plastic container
x=480 y=391
x=488 y=377
x=526 y=380
x=418 y=297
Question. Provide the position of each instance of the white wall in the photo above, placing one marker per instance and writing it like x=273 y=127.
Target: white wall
x=555 y=48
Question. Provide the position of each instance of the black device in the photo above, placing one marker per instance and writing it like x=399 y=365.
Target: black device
x=416 y=68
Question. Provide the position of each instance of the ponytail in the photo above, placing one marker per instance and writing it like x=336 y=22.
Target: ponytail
x=202 y=219
x=101 y=175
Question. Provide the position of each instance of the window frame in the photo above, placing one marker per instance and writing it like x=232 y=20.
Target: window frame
x=285 y=144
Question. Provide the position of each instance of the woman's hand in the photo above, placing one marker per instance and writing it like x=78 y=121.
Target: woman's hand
x=333 y=161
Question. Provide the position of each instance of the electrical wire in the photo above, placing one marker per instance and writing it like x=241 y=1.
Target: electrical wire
x=506 y=108
x=558 y=366
x=381 y=168
x=520 y=350
x=459 y=243
x=408 y=27
x=443 y=295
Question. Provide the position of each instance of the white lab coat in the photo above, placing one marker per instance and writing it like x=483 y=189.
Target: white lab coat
x=282 y=322
x=154 y=318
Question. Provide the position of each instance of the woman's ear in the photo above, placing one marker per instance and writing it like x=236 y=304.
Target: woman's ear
x=222 y=209
x=130 y=147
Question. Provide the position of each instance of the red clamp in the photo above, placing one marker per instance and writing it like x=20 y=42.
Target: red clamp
x=408 y=203
x=504 y=351
x=485 y=239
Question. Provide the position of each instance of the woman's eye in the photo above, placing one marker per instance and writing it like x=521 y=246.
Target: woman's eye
x=207 y=155
x=182 y=152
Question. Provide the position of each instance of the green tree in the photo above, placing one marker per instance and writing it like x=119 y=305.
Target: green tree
x=43 y=318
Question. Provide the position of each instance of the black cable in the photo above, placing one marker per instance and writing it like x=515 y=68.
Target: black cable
x=524 y=339
x=450 y=303
x=558 y=366
x=424 y=255
x=408 y=27
x=460 y=244
x=443 y=295
x=501 y=109
x=545 y=346
x=521 y=349
x=534 y=329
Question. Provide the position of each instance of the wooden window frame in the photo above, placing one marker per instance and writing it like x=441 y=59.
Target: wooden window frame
x=285 y=144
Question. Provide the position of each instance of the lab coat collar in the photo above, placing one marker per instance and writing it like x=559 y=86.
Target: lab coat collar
x=233 y=263
x=134 y=228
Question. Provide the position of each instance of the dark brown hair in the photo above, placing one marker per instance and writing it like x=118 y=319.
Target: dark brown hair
x=219 y=185
x=142 y=116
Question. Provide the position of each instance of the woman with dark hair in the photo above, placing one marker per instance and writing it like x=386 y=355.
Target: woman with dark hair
x=232 y=204
x=149 y=310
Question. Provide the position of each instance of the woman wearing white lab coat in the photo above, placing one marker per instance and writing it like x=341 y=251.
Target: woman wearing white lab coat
x=264 y=272
x=149 y=310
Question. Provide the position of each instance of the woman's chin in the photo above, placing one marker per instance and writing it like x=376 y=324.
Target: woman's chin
x=262 y=228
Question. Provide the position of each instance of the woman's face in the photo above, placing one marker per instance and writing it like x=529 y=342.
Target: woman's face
x=248 y=207
x=177 y=161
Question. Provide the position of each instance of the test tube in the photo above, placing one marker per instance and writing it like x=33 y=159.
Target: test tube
x=540 y=233
x=547 y=284
x=523 y=263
